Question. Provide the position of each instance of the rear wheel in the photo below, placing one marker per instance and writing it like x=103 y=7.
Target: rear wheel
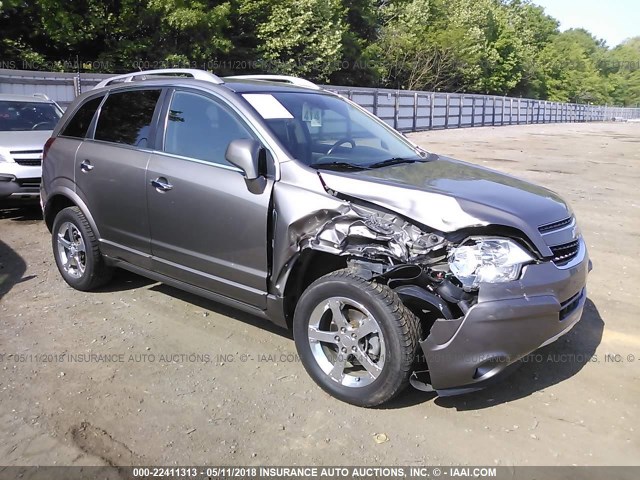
x=355 y=338
x=76 y=250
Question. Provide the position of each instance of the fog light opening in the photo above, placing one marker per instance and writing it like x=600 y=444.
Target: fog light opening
x=490 y=367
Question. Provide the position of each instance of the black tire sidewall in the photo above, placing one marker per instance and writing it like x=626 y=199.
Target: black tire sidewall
x=390 y=379
x=74 y=216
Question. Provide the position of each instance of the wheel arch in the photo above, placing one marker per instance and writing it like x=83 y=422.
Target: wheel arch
x=61 y=199
x=305 y=269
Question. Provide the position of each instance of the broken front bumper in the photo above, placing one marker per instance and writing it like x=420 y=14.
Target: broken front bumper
x=510 y=321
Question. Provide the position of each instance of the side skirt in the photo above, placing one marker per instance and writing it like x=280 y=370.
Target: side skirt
x=273 y=312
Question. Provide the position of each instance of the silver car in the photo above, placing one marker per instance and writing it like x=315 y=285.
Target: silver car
x=26 y=122
x=390 y=264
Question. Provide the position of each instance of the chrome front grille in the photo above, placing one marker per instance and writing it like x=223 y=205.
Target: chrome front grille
x=27 y=158
x=563 y=254
x=550 y=227
x=563 y=238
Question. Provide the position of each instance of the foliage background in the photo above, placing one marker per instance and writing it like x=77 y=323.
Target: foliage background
x=503 y=47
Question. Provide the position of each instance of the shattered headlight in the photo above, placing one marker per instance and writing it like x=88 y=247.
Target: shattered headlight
x=490 y=260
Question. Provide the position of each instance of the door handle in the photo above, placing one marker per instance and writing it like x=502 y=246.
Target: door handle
x=161 y=184
x=86 y=166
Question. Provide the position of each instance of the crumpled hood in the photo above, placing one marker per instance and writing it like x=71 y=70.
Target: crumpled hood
x=448 y=195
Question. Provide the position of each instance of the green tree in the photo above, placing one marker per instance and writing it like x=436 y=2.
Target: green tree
x=470 y=45
x=623 y=68
x=535 y=29
x=506 y=47
x=572 y=70
x=193 y=30
x=413 y=50
x=303 y=37
x=7 y=4
x=362 y=19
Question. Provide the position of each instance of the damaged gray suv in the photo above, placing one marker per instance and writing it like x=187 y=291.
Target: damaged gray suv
x=390 y=264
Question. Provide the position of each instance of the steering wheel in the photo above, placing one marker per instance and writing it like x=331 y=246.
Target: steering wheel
x=35 y=127
x=340 y=142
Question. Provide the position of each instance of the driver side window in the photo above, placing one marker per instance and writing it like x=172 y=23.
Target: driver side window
x=201 y=128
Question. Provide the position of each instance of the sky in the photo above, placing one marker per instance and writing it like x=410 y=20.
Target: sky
x=611 y=20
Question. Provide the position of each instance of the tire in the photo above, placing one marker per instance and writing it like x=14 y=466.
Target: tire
x=355 y=338
x=77 y=253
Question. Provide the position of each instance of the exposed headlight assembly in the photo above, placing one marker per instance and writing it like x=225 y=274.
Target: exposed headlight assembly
x=487 y=260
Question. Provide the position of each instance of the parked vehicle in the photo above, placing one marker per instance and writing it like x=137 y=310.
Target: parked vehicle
x=390 y=264
x=26 y=122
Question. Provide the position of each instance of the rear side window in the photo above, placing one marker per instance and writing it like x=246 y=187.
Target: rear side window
x=78 y=125
x=126 y=117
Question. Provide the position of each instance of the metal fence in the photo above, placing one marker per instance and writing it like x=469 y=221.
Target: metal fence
x=407 y=111
x=61 y=87
x=412 y=111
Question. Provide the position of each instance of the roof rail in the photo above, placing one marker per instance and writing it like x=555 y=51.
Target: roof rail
x=130 y=77
x=299 y=82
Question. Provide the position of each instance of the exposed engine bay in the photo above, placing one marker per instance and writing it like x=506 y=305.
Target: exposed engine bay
x=384 y=247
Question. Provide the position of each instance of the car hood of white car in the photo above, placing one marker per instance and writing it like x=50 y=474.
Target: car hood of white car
x=26 y=140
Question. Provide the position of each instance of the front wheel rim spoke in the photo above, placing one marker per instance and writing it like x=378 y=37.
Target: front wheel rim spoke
x=367 y=327
x=81 y=265
x=370 y=366
x=322 y=336
x=80 y=245
x=337 y=372
x=66 y=244
x=338 y=316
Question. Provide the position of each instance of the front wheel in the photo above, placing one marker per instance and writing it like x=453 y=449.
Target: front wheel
x=355 y=338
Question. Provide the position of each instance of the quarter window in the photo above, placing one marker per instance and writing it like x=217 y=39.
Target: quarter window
x=126 y=117
x=79 y=124
x=201 y=128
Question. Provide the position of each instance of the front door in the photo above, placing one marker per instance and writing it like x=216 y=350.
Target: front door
x=207 y=228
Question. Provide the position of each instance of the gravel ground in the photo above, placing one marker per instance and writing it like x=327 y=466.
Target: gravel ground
x=175 y=379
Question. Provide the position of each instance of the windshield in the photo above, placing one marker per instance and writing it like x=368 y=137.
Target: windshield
x=324 y=131
x=21 y=116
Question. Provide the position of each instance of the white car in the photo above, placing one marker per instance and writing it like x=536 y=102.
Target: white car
x=26 y=122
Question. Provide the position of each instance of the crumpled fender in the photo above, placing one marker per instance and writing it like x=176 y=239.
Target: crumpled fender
x=325 y=223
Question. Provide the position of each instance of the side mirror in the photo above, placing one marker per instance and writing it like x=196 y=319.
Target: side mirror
x=245 y=154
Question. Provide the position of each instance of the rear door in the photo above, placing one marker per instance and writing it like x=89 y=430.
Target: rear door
x=207 y=228
x=110 y=172
x=59 y=168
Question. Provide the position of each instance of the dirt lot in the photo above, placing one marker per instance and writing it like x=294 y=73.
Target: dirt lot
x=158 y=400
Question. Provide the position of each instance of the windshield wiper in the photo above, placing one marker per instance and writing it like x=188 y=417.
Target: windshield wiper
x=395 y=161
x=338 y=166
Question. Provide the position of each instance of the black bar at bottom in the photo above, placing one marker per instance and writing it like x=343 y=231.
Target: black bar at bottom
x=302 y=472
